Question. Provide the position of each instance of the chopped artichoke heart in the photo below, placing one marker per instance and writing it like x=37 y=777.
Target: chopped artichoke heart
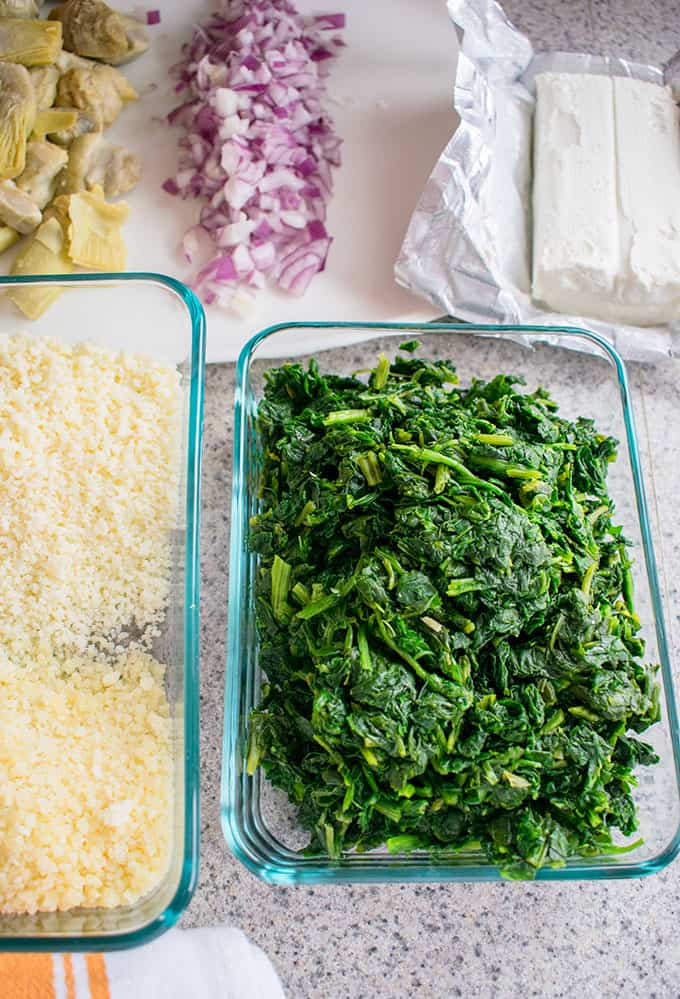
x=94 y=234
x=93 y=29
x=97 y=87
x=51 y=236
x=44 y=253
x=17 y=209
x=44 y=163
x=125 y=89
x=80 y=152
x=137 y=39
x=44 y=80
x=59 y=88
x=58 y=209
x=93 y=163
x=8 y=237
x=115 y=169
x=17 y=115
x=87 y=121
x=53 y=120
x=19 y=8
x=29 y=43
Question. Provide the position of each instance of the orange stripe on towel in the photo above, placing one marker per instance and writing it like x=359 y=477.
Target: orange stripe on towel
x=96 y=973
x=27 y=976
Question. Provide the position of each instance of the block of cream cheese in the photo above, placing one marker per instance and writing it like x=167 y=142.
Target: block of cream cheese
x=606 y=198
x=647 y=129
x=576 y=246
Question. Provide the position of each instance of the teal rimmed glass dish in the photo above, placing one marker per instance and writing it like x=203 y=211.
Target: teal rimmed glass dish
x=587 y=378
x=157 y=315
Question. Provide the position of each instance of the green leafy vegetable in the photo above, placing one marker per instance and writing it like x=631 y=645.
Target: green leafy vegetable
x=445 y=617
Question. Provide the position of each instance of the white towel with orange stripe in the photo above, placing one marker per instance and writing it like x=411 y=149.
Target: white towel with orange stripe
x=216 y=963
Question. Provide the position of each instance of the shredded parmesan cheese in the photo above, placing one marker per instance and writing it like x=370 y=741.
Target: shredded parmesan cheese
x=88 y=488
x=89 y=467
x=85 y=783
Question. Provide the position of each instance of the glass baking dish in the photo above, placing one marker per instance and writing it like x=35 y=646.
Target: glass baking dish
x=587 y=378
x=159 y=316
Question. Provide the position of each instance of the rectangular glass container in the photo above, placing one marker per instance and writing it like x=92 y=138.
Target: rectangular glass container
x=159 y=316
x=258 y=822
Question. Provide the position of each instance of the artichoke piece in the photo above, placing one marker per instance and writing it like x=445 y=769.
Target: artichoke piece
x=91 y=28
x=44 y=163
x=78 y=123
x=30 y=43
x=94 y=234
x=58 y=209
x=19 y=8
x=94 y=163
x=53 y=120
x=80 y=153
x=137 y=37
x=17 y=210
x=69 y=60
x=8 y=237
x=95 y=87
x=44 y=80
x=115 y=169
x=17 y=114
x=45 y=253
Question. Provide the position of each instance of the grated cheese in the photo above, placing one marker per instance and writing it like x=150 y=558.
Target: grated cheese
x=85 y=783
x=89 y=448
x=88 y=487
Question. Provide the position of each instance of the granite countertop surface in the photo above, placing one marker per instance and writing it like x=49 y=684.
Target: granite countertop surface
x=594 y=939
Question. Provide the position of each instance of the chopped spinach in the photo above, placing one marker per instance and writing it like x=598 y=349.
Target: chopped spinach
x=445 y=618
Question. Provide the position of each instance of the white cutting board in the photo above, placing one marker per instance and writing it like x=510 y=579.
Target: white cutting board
x=392 y=99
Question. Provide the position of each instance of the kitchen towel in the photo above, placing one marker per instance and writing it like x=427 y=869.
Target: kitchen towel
x=215 y=963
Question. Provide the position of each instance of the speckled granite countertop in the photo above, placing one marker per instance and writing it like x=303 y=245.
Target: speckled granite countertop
x=615 y=939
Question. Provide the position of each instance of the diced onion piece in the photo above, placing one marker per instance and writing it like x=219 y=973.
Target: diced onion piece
x=226 y=101
x=264 y=255
x=295 y=220
x=237 y=192
x=236 y=233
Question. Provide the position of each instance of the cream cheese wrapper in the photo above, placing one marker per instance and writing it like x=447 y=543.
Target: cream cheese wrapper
x=468 y=246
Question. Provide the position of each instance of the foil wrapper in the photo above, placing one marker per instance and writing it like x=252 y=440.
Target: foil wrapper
x=467 y=248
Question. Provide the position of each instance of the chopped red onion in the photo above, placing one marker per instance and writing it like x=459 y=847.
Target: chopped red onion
x=153 y=17
x=331 y=20
x=258 y=149
x=316 y=229
x=263 y=231
x=226 y=269
x=264 y=255
x=190 y=244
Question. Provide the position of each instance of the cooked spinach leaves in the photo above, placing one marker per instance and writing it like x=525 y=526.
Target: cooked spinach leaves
x=445 y=618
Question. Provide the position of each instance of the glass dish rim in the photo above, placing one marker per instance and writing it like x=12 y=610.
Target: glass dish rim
x=189 y=872
x=289 y=872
